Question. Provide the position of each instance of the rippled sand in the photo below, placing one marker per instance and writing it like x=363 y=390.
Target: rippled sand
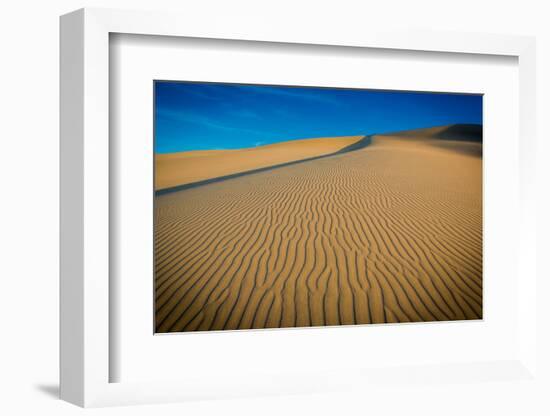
x=391 y=232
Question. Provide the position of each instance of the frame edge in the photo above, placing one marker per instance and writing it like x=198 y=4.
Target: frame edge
x=71 y=228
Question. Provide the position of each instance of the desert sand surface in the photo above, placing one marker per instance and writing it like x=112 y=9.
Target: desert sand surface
x=174 y=169
x=390 y=232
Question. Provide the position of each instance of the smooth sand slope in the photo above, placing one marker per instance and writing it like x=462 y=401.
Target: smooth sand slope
x=174 y=169
x=391 y=232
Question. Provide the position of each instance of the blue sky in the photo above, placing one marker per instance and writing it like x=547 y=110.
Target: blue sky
x=206 y=116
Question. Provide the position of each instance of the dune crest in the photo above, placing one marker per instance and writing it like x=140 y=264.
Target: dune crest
x=174 y=169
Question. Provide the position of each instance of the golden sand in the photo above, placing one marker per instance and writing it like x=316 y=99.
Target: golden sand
x=181 y=168
x=388 y=233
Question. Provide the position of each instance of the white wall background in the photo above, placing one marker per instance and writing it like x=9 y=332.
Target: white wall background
x=29 y=208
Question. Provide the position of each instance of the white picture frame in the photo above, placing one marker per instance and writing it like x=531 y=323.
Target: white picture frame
x=85 y=220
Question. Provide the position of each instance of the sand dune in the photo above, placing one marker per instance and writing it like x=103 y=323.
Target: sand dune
x=455 y=132
x=463 y=138
x=391 y=232
x=181 y=168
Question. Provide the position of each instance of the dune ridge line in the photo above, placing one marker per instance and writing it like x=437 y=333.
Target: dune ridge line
x=364 y=141
x=174 y=169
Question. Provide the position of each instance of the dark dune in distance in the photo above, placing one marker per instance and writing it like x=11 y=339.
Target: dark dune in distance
x=463 y=138
x=454 y=132
x=388 y=232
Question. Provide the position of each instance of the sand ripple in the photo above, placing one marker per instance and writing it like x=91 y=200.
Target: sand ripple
x=388 y=233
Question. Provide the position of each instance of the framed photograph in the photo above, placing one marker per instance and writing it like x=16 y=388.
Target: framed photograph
x=269 y=211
